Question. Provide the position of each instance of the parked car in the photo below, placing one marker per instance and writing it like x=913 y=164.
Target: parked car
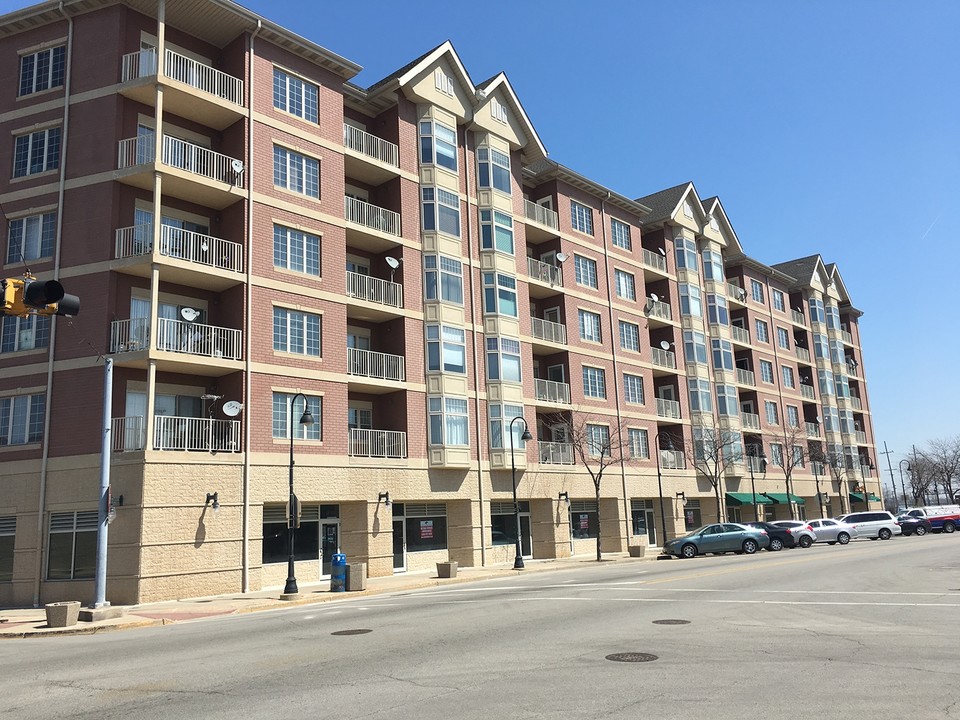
x=780 y=537
x=873 y=524
x=833 y=531
x=801 y=529
x=914 y=525
x=718 y=538
x=943 y=518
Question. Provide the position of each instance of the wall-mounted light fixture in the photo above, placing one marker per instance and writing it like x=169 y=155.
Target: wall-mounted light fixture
x=564 y=496
x=384 y=498
x=214 y=498
x=682 y=497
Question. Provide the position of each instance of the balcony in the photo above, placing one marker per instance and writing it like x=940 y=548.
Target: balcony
x=746 y=377
x=803 y=354
x=375 y=365
x=737 y=293
x=847 y=337
x=668 y=409
x=130 y=340
x=750 y=421
x=656 y=309
x=369 y=159
x=813 y=429
x=128 y=434
x=672 y=460
x=555 y=453
x=370 y=227
x=756 y=464
x=376 y=291
x=196 y=434
x=797 y=317
x=190 y=172
x=861 y=436
x=654 y=261
x=856 y=402
x=807 y=392
x=545 y=222
x=377 y=443
x=664 y=358
x=540 y=271
x=818 y=468
x=740 y=335
x=866 y=471
x=548 y=331
x=218 y=104
x=552 y=391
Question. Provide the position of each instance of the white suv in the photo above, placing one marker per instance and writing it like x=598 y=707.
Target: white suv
x=873 y=524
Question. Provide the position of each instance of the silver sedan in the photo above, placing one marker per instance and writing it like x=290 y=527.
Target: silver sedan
x=833 y=531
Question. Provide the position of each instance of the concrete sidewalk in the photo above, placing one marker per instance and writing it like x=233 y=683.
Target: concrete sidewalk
x=32 y=622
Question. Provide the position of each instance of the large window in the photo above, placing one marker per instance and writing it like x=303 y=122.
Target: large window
x=27 y=333
x=499 y=294
x=772 y=411
x=31 y=237
x=36 y=152
x=448 y=421
x=306 y=538
x=438 y=145
x=778 y=300
x=503 y=359
x=756 y=290
x=296 y=250
x=762 y=333
x=283 y=421
x=585 y=271
x=8 y=536
x=501 y=417
x=446 y=349
x=727 y=403
x=42 y=70
x=21 y=419
x=700 y=400
x=793 y=416
x=581 y=218
x=296 y=332
x=494 y=169
x=584 y=519
x=426 y=526
x=717 y=311
x=633 y=389
x=441 y=210
x=72 y=551
x=766 y=371
x=816 y=311
x=295 y=172
x=496 y=231
x=821 y=346
x=443 y=279
x=713 y=266
x=690 y=302
x=620 y=234
x=783 y=338
x=694 y=347
x=685 y=251
x=589 y=323
x=788 y=378
x=722 y=355
x=827 y=386
x=598 y=440
x=629 y=336
x=594 y=382
x=295 y=96
x=833 y=317
x=638 y=443
x=626 y=285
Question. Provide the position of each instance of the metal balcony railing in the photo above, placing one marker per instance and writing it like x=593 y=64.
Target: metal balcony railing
x=866 y=471
x=183 y=69
x=847 y=337
x=754 y=463
x=672 y=460
x=190 y=433
x=371 y=216
x=861 y=437
x=739 y=334
x=364 y=442
x=654 y=260
x=375 y=290
x=746 y=377
x=382 y=366
x=130 y=335
x=668 y=408
x=370 y=145
x=664 y=358
x=544 y=272
x=550 y=331
x=552 y=391
x=750 y=421
x=807 y=391
x=542 y=215
x=813 y=429
x=128 y=434
x=797 y=317
x=803 y=354
x=555 y=453
x=735 y=292
x=181 y=155
x=856 y=402
x=176 y=336
x=181 y=244
x=818 y=468
x=659 y=309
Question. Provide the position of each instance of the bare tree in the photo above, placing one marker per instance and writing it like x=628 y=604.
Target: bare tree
x=712 y=452
x=943 y=456
x=836 y=465
x=790 y=455
x=599 y=442
x=922 y=475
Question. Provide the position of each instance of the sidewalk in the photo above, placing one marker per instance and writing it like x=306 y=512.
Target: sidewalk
x=32 y=622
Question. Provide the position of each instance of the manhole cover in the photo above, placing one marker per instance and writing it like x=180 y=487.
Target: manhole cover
x=351 y=632
x=631 y=657
x=671 y=621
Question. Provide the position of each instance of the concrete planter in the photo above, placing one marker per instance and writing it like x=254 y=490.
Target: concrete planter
x=637 y=550
x=62 y=614
x=356 y=577
x=447 y=569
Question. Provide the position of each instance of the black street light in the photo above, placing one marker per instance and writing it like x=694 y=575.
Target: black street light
x=306 y=420
x=816 y=479
x=663 y=517
x=518 y=559
x=903 y=485
x=753 y=487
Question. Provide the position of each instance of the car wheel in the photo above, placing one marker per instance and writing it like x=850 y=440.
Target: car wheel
x=843 y=538
x=921 y=530
x=885 y=534
x=688 y=551
x=949 y=527
x=749 y=546
x=775 y=544
x=806 y=541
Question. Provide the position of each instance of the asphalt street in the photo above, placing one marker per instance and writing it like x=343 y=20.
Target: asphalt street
x=863 y=631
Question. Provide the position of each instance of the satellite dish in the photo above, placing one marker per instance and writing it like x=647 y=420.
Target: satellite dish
x=818 y=419
x=204 y=245
x=392 y=262
x=562 y=257
x=236 y=166
x=654 y=297
x=664 y=344
x=232 y=408
x=662 y=251
x=189 y=314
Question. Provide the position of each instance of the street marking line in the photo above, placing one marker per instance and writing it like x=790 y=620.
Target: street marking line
x=812 y=592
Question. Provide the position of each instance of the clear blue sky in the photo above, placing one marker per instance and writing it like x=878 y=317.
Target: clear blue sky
x=823 y=126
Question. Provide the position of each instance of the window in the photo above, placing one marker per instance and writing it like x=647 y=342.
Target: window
x=446 y=349
x=831 y=419
x=633 y=389
x=846 y=422
x=827 y=386
x=306 y=538
x=441 y=210
x=443 y=82
x=626 y=285
x=843 y=386
x=581 y=217
x=586 y=271
x=42 y=70
x=283 y=420
x=494 y=169
x=727 y=403
x=31 y=237
x=496 y=231
x=836 y=352
x=497 y=111
x=296 y=250
x=778 y=302
x=499 y=294
x=295 y=96
x=295 y=172
x=722 y=355
x=72 y=550
x=29 y=333
x=426 y=526
x=21 y=419
x=788 y=377
x=620 y=234
x=798 y=456
x=717 y=311
x=690 y=302
x=833 y=317
x=756 y=290
x=713 y=266
x=584 y=519
x=776 y=454
x=772 y=411
x=589 y=325
x=296 y=332
x=36 y=152
x=685 y=250
x=816 y=311
x=793 y=416
x=443 y=279
x=8 y=533
x=598 y=440
x=501 y=417
x=448 y=421
x=694 y=347
x=629 y=336
x=503 y=359
x=594 y=382
x=783 y=338
x=438 y=145
x=821 y=346
x=762 y=334
x=766 y=371
x=638 y=443
x=699 y=390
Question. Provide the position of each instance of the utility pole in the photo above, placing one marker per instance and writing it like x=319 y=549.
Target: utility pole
x=103 y=515
x=890 y=468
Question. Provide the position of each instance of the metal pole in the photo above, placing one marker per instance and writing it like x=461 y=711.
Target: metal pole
x=518 y=558
x=903 y=485
x=291 y=587
x=816 y=479
x=103 y=511
x=893 y=480
x=663 y=517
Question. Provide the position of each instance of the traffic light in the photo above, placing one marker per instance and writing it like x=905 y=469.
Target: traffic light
x=29 y=296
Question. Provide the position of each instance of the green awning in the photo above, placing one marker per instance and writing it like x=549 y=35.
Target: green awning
x=747 y=499
x=858 y=497
x=783 y=498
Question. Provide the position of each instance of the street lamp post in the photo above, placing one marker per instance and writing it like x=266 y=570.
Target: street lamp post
x=518 y=559
x=753 y=487
x=903 y=485
x=306 y=420
x=816 y=479
x=656 y=447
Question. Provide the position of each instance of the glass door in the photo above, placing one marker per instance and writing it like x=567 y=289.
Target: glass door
x=329 y=545
x=399 y=546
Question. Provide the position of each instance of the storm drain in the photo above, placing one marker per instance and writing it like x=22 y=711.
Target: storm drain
x=631 y=657
x=358 y=631
x=671 y=621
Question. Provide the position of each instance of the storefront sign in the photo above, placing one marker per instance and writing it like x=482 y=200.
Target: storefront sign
x=426 y=529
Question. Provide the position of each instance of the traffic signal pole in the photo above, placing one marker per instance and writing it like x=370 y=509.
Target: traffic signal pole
x=103 y=511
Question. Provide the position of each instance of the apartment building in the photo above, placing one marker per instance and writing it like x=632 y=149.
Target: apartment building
x=254 y=236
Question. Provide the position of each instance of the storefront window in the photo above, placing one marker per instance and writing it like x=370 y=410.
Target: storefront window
x=584 y=519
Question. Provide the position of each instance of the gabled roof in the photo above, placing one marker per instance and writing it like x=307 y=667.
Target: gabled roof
x=803 y=269
x=714 y=207
x=665 y=203
x=500 y=82
x=409 y=71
